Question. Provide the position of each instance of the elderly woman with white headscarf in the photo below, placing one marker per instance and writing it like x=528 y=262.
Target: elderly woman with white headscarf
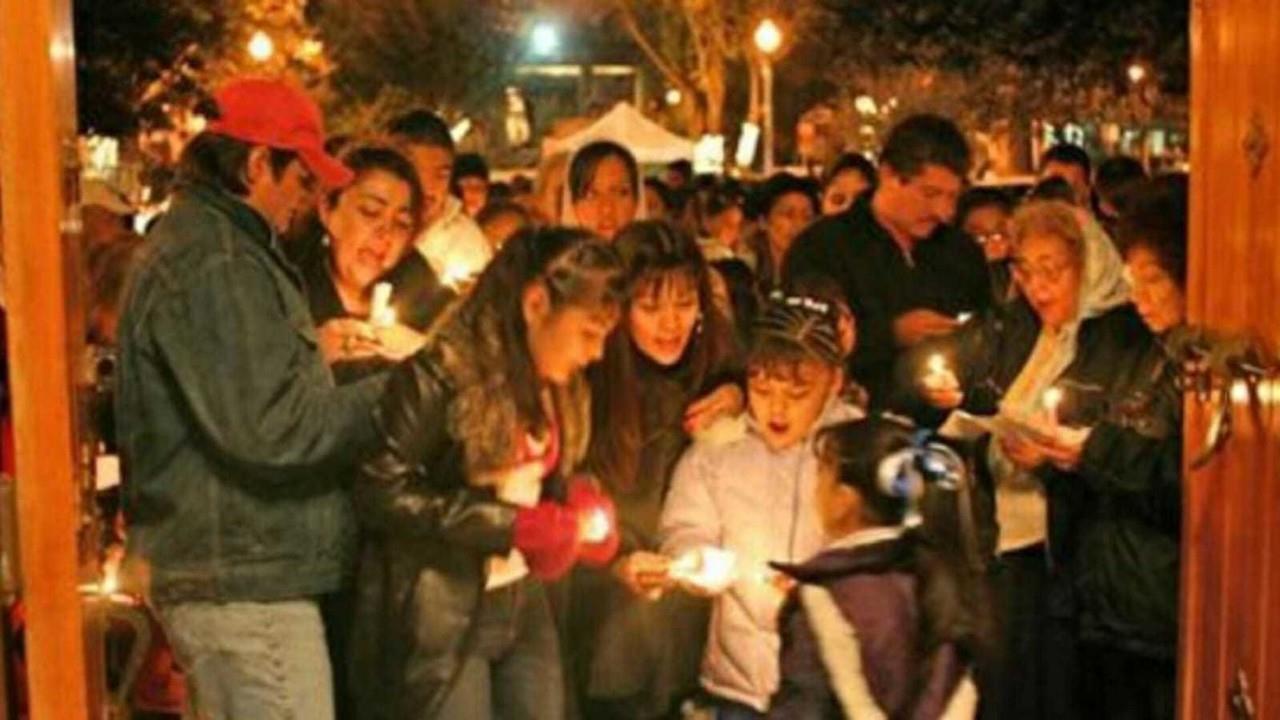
x=1046 y=363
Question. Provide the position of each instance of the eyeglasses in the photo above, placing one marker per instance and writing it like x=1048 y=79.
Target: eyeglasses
x=991 y=237
x=1024 y=272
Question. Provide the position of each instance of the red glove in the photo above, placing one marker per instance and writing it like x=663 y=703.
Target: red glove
x=547 y=536
x=590 y=504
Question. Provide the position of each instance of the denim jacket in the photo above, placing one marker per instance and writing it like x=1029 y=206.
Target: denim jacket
x=231 y=427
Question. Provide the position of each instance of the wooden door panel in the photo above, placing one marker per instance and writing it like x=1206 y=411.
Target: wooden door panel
x=1231 y=540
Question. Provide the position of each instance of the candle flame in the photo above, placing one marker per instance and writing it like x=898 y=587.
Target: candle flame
x=707 y=567
x=381 y=314
x=1052 y=398
x=455 y=274
x=597 y=526
x=937 y=364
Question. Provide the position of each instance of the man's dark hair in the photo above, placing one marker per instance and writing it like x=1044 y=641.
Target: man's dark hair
x=1068 y=154
x=856 y=162
x=1117 y=173
x=922 y=140
x=1053 y=188
x=781 y=184
x=470 y=165
x=683 y=168
x=221 y=161
x=421 y=127
x=656 y=188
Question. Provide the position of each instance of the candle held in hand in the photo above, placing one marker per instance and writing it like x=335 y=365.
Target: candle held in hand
x=937 y=374
x=596 y=526
x=456 y=275
x=1051 y=399
x=381 y=314
x=709 y=568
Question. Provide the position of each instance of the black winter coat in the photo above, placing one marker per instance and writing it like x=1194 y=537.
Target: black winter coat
x=1127 y=561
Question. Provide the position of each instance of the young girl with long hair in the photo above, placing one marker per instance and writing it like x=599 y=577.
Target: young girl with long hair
x=466 y=506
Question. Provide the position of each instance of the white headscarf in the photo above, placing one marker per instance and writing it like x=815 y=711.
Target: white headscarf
x=1020 y=503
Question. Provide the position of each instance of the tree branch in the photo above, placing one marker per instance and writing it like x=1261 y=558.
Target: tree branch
x=632 y=25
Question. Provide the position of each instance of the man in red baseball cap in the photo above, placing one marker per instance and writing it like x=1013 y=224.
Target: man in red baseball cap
x=237 y=444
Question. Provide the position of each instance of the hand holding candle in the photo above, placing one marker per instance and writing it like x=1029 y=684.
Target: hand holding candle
x=595 y=526
x=381 y=314
x=1051 y=399
x=707 y=569
x=940 y=385
x=597 y=522
x=456 y=276
x=937 y=370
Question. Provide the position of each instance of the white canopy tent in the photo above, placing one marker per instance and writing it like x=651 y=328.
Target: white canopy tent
x=647 y=140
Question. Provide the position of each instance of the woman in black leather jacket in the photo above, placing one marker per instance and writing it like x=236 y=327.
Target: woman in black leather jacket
x=465 y=507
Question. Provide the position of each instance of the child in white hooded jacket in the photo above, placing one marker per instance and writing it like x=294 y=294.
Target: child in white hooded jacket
x=748 y=498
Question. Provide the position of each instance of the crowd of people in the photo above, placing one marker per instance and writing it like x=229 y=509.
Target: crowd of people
x=403 y=441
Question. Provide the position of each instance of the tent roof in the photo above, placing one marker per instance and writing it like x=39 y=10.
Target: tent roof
x=646 y=139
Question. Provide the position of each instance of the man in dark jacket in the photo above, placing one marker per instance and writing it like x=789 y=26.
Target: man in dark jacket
x=905 y=272
x=230 y=422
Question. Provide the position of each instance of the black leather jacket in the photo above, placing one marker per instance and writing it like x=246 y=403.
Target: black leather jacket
x=421 y=569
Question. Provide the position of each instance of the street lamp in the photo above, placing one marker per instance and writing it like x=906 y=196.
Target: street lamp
x=545 y=39
x=768 y=38
x=261 y=47
x=1137 y=73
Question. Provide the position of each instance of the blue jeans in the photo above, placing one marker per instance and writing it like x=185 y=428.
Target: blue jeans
x=513 y=671
x=265 y=661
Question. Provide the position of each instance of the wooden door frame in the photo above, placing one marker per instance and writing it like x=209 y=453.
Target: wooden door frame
x=37 y=162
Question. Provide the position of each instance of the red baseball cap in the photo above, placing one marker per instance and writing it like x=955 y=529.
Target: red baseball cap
x=281 y=116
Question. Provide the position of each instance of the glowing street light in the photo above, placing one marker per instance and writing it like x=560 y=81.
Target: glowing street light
x=261 y=46
x=768 y=39
x=768 y=36
x=545 y=39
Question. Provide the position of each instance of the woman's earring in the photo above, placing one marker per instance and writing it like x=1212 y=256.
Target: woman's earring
x=697 y=328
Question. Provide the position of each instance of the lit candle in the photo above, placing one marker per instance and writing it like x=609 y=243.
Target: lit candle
x=596 y=527
x=964 y=317
x=710 y=568
x=110 y=579
x=937 y=364
x=937 y=374
x=1051 y=399
x=381 y=314
x=455 y=275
